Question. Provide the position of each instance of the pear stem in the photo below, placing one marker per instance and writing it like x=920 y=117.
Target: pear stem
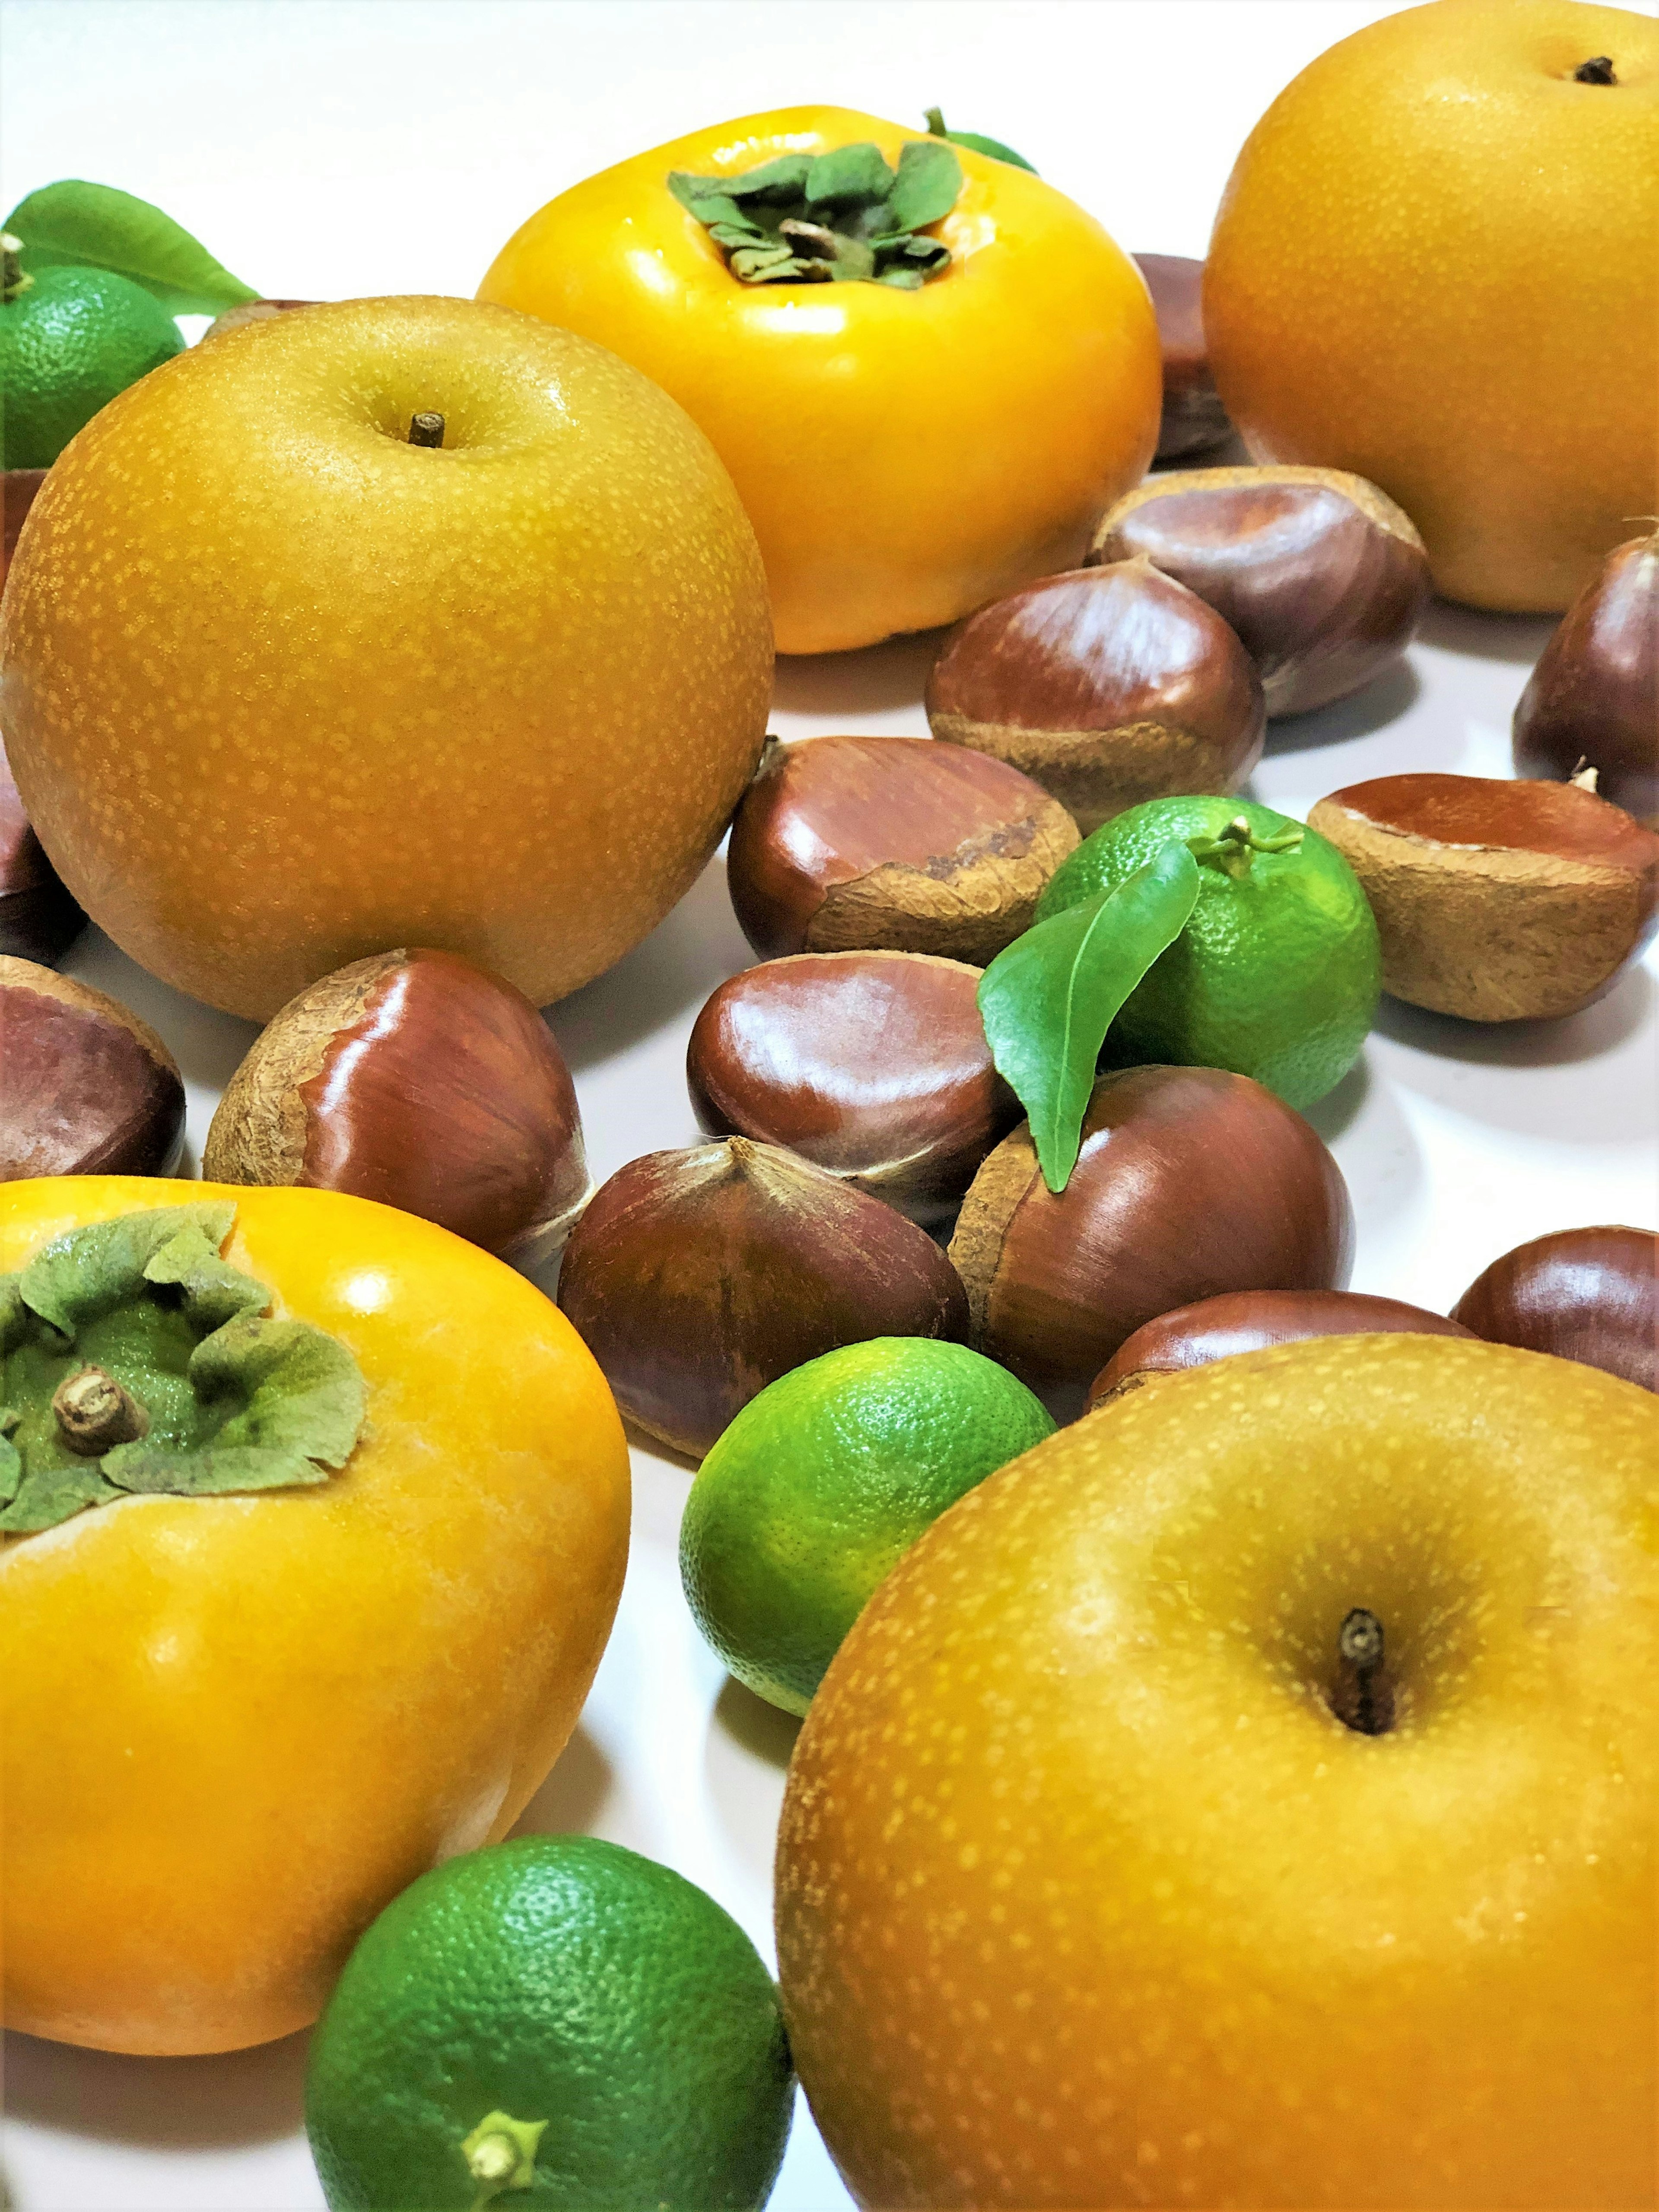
x=1363 y=1699
x=1597 y=71
x=426 y=429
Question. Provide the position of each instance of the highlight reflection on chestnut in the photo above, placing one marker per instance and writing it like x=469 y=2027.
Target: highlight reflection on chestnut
x=1250 y=1321
x=1590 y=1295
x=872 y=1065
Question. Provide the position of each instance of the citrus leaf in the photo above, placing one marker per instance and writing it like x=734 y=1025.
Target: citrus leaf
x=77 y=225
x=1047 y=1000
x=929 y=179
x=977 y=143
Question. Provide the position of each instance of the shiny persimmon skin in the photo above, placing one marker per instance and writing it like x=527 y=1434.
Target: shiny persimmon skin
x=903 y=456
x=1435 y=264
x=236 y=1727
x=1085 y=1897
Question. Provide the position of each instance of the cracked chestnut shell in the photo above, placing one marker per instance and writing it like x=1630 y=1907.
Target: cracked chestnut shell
x=842 y=843
x=1249 y=1320
x=1190 y=1182
x=1322 y=577
x=872 y=1065
x=86 y=1088
x=417 y=1079
x=38 y=919
x=1594 y=697
x=1590 y=1295
x=698 y=1277
x=1194 y=416
x=1497 y=901
x=1108 y=686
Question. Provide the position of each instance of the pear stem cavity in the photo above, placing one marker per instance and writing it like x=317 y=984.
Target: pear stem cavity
x=426 y=429
x=1364 y=1697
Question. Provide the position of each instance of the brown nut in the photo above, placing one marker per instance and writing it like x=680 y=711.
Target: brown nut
x=697 y=1277
x=1249 y=1320
x=1593 y=700
x=873 y=1066
x=1190 y=1182
x=38 y=919
x=1323 y=577
x=1194 y=416
x=1497 y=901
x=415 y=1078
x=1109 y=686
x=86 y=1088
x=1586 y=1294
x=17 y=490
x=846 y=843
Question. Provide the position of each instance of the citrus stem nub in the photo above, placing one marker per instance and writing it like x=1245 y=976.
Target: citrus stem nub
x=1232 y=849
x=13 y=282
x=426 y=429
x=1597 y=71
x=94 y=1414
x=500 y=2154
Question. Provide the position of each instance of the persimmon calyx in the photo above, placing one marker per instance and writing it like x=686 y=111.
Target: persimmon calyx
x=134 y=1360
x=844 y=216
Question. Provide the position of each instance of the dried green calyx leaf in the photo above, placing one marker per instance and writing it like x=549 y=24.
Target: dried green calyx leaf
x=844 y=216
x=1049 y=999
x=227 y=1399
x=77 y=225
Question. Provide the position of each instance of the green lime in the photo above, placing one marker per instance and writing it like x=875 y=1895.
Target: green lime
x=1278 y=972
x=823 y=1482
x=558 y=2017
x=68 y=345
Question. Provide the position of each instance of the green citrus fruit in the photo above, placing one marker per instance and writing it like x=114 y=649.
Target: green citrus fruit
x=558 y=2017
x=68 y=345
x=823 y=1482
x=1278 y=972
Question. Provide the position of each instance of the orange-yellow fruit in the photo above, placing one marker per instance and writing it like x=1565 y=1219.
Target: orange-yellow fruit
x=1437 y=264
x=904 y=456
x=281 y=689
x=1087 y=1898
x=232 y=1728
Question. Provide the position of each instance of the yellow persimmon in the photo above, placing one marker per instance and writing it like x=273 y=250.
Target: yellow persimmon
x=904 y=455
x=236 y=1724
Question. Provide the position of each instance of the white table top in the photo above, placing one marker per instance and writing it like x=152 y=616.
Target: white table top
x=323 y=151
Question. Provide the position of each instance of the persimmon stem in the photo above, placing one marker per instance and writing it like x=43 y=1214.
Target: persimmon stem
x=1364 y=1697
x=426 y=429
x=95 y=1413
x=1597 y=71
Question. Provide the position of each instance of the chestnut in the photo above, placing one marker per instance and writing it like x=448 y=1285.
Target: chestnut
x=1497 y=901
x=872 y=1065
x=1194 y=416
x=417 y=1079
x=1322 y=577
x=1109 y=686
x=1249 y=1320
x=86 y=1088
x=846 y=843
x=1190 y=1182
x=1586 y=1294
x=696 y=1278
x=38 y=919
x=17 y=489
x=1593 y=700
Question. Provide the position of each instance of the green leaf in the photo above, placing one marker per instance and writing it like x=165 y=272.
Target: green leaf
x=1049 y=999
x=977 y=143
x=929 y=179
x=91 y=1270
x=849 y=176
x=778 y=182
x=75 y=225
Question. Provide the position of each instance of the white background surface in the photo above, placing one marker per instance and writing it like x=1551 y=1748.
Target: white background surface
x=324 y=150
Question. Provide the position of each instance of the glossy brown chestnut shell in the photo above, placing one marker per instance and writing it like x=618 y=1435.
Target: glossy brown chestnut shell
x=1190 y=1182
x=1194 y=417
x=1322 y=577
x=1586 y=1294
x=1108 y=686
x=38 y=919
x=1497 y=901
x=873 y=1066
x=1594 y=697
x=86 y=1088
x=1249 y=1320
x=846 y=843
x=697 y=1277
x=416 y=1078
